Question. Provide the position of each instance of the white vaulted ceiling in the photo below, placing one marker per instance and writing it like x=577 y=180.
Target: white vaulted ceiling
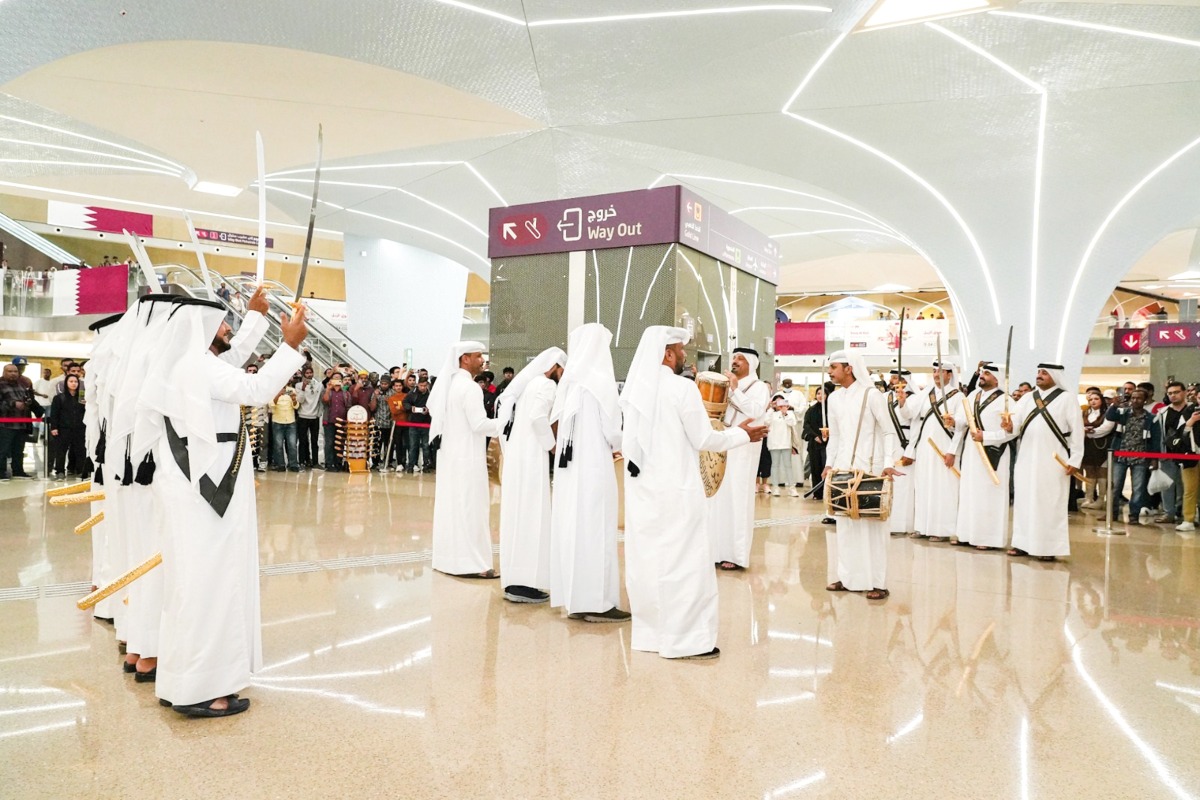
x=1027 y=157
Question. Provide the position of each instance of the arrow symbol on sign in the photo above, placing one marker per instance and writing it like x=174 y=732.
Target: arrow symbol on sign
x=510 y=231
x=1164 y=336
x=1131 y=341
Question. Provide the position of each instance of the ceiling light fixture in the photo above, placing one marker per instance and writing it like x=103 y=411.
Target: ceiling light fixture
x=65 y=148
x=820 y=61
x=89 y=164
x=381 y=218
x=1038 y=163
x=143 y=204
x=891 y=288
x=404 y=164
x=1096 y=26
x=387 y=187
x=1189 y=275
x=65 y=132
x=808 y=211
x=822 y=232
x=929 y=187
x=691 y=12
x=893 y=13
x=1087 y=254
x=220 y=189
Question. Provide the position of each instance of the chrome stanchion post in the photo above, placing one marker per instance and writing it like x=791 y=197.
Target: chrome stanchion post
x=1108 y=529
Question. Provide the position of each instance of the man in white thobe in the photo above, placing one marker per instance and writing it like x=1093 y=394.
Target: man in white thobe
x=527 y=439
x=585 y=577
x=1049 y=424
x=462 y=534
x=901 y=413
x=983 y=502
x=668 y=561
x=731 y=509
x=211 y=635
x=932 y=447
x=861 y=437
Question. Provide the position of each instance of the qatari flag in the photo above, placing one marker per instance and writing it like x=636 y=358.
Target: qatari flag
x=98 y=218
x=99 y=290
x=800 y=338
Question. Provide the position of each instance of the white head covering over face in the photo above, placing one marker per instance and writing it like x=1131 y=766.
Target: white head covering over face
x=590 y=371
x=857 y=364
x=640 y=397
x=543 y=362
x=995 y=369
x=439 y=396
x=177 y=387
x=947 y=364
x=98 y=365
x=1057 y=374
x=751 y=359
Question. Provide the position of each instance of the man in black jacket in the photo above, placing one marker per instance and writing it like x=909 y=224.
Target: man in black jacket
x=416 y=403
x=16 y=400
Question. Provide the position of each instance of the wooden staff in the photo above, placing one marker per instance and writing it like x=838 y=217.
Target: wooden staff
x=89 y=523
x=120 y=583
x=942 y=456
x=979 y=445
x=76 y=499
x=1074 y=472
x=74 y=488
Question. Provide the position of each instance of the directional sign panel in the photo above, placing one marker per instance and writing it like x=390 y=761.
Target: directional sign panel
x=1174 y=334
x=1127 y=341
x=623 y=219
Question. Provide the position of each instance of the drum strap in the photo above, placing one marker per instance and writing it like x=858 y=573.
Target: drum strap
x=858 y=432
x=900 y=428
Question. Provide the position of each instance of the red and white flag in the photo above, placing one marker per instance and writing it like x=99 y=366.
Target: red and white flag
x=98 y=218
x=99 y=290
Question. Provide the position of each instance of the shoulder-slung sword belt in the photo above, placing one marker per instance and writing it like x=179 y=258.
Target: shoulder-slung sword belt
x=995 y=451
x=1041 y=411
x=216 y=495
x=892 y=406
x=935 y=410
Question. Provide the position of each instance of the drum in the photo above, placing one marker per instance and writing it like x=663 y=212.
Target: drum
x=714 y=391
x=858 y=495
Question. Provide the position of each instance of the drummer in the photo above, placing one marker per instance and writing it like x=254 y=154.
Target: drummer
x=861 y=437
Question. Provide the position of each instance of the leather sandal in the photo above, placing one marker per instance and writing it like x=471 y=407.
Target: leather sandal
x=878 y=594
x=836 y=587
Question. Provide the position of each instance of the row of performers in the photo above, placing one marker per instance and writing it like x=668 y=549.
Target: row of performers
x=563 y=537
x=172 y=484
x=952 y=456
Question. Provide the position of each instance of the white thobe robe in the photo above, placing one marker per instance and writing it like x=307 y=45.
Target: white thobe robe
x=904 y=498
x=525 y=489
x=861 y=543
x=982 y=504
x=935 y=487
x=142 y=516
x=1040 y=484
x=462 y=533
x=584 y=575
x=731 y=509
x=668 y=559
x=211 y=635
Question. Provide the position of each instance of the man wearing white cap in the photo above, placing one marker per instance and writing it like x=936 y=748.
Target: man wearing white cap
x=668 y=559
x=462 y=537
x=731 y=509
x=983 y=502
x=861 y=437
x=585 y=577
x=1049 y=424
x=527 y=439
x=933 y=446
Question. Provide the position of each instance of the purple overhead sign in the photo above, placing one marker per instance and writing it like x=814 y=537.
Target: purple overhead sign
x=626 y=219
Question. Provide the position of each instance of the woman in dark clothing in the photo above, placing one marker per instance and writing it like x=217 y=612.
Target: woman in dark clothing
x=66 y=429
x=814 y=420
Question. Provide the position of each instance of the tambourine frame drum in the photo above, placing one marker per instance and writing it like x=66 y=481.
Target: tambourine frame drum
x=714 y=393
x=858 y=495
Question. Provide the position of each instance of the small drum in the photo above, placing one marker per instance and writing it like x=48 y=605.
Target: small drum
x=714 y=392
x=858 y=495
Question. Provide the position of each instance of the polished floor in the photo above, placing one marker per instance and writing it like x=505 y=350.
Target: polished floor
x=981 y=677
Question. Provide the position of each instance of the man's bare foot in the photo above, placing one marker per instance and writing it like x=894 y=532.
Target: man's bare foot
x=146 y=664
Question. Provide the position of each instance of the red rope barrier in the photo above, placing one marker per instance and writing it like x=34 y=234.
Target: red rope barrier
x=21 y=419
x=1135 y=454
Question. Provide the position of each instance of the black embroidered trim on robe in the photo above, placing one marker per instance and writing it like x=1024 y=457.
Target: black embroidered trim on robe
x=216 y=495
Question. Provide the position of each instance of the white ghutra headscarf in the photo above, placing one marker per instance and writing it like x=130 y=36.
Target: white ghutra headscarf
x=640 y=397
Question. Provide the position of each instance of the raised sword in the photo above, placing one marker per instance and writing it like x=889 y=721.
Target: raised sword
x=312 y=219
x=1007 y=372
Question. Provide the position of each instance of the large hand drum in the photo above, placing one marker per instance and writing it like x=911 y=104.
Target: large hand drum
x=858 y=495
x=714 y=391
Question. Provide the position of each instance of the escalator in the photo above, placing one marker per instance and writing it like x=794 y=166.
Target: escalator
x=327 y=344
